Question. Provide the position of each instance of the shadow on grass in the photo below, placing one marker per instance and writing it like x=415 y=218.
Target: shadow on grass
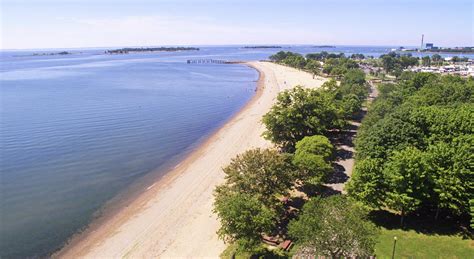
x=422 y=222
x=268 y=254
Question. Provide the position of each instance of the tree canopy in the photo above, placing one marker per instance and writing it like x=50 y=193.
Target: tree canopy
x=261 y=173
x=335 y=227
x=243 y=219
x=414 y=148
x=313 y=158
x=298 y=113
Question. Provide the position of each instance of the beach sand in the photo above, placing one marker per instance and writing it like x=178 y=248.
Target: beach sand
x=173 y=217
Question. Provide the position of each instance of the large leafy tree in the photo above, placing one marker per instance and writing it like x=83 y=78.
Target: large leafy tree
x=282 y=55
x=334 y=227
x=407 y=181
x=354 y=76
x=261 y=173
x=426 y=61
x=338 y=65
x=313 y=66
x=298 y=113
x=451 y=170
x=367 y=182
x=243 y=218
x=313 y=157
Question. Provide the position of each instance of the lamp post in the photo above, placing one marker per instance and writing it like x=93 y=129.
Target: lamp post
x=394 y=244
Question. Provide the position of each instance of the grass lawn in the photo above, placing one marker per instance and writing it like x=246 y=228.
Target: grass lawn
x=411 y=244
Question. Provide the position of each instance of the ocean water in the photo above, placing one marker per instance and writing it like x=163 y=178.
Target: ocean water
x=78 y=130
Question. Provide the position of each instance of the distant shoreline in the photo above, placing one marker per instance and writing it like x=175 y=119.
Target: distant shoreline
x=262 y=47
x=325 y=46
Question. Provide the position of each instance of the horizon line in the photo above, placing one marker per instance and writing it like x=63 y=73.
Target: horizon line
x=211 y=45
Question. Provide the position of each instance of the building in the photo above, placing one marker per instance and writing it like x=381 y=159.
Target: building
x=429 y=46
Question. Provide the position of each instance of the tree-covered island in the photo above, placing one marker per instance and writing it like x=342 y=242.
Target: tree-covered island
x=159 y=49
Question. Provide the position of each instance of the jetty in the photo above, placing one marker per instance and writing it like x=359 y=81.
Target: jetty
x=207 y=61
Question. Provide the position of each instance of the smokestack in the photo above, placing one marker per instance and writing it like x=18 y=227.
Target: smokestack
x=422 y=38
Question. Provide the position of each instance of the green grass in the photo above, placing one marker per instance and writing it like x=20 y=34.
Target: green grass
x=411 y=244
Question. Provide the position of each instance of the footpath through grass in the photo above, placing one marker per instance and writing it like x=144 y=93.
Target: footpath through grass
x=411 y=244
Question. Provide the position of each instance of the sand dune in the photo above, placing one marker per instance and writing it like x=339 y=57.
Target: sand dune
x=173 y=217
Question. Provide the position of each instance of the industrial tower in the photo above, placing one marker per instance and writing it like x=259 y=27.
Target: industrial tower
x=422 y=38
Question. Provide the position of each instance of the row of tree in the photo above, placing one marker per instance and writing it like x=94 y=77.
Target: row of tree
x=251 y=202
x=415 y=148
x=315 y=63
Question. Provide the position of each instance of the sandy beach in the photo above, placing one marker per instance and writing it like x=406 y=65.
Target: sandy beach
x=173 y=217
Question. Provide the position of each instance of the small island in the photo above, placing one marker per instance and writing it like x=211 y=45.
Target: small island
x=133 y=50
x=262 y=47
x=52 y=53
x=325 y=46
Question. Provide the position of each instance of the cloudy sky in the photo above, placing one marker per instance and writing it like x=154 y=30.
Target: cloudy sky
x=29 y=24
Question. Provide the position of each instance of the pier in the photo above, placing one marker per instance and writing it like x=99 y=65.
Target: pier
x=207 y=61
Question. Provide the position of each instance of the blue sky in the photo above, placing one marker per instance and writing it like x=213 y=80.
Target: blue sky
x=105 y=23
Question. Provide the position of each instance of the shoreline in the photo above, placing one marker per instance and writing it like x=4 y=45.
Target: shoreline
x=173 y=215
x=170 y=172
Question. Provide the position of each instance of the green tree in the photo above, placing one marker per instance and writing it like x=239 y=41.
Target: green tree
x=451 y=170
x=389 y=63
x=317 y=56
x=313 y=67
x=313 y=158
x=295 y=60
x=354 y=76
x=243 y=219
x=437 y=59
x=301 y=112
x=261 y=173
x=281 y=55
x=407 y=181
x=426 y=61
x=330 y=86
x=392 y=132
x=367 y=183
x=351 y=104
x=408 y=61
x=335 y=227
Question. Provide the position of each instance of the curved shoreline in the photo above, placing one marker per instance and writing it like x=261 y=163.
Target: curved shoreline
x=162 y=181
x=173 y=216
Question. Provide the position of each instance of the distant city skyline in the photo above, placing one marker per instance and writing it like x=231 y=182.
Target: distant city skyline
x=106 y=23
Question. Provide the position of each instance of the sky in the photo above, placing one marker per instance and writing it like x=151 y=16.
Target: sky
x=30 y=24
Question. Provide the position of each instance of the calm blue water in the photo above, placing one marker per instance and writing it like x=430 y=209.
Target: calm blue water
x=77 y=130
